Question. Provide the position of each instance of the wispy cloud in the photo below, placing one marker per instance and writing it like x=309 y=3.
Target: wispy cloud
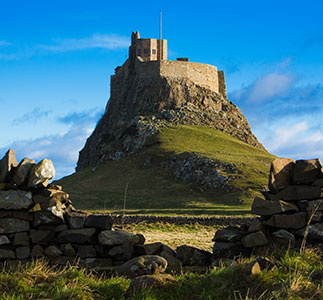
x=5 y=43
x=288 y=118
x=285 y=134
x=96 y=41
x=103 y=41
x=62 y=148
x=267 y=87
x=35 y=115
x=91 y=115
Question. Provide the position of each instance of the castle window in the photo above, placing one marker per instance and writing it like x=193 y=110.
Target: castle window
x=146 y=51
x=153 y=51
x=138 y=52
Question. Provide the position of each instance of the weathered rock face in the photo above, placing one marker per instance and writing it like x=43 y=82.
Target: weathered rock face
x=143 y=105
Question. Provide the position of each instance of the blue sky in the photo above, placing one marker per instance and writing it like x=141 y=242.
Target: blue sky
x=56 y=58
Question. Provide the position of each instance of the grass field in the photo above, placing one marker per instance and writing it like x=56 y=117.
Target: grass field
x=144 y=189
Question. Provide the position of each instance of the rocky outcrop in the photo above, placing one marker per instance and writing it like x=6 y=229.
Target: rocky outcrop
x=142 y=106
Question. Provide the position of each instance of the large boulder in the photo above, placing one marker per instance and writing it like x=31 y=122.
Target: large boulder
x=142 y=265
x=23 y=171
x=281 y=173
x=41 y=173
x=306 y=171
x=15 y=199
x=7 y=163
x=264 y=207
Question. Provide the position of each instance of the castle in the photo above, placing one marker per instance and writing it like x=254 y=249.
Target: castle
x=148 y=58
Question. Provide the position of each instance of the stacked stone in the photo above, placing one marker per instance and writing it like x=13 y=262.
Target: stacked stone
x=37 y=219
x=291 y=211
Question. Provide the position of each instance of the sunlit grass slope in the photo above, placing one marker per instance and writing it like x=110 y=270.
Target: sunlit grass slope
x=151 y=190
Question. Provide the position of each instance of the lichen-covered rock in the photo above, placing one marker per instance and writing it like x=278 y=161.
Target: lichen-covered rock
x=15 y=199
x=12 y=225
x=41 y=173
x=4 y=240
x=315 y=231
x=284 y=238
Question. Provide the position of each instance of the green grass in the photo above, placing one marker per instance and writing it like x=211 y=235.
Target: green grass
x=150 y=189
x=289 y=280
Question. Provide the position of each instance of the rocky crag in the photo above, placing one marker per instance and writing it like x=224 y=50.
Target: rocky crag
x=142 y=106
x=149 y=92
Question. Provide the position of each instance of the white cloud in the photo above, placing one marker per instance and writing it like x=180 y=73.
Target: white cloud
x=282 y=136
x=104 y=41
x=284 y=63
x=62 y=148
x=269 y=86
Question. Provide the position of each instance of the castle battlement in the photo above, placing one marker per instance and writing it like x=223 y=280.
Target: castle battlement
x=148 y=58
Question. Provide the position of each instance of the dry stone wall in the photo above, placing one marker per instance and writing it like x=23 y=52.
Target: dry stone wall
x=290 y=211
x=37 y=219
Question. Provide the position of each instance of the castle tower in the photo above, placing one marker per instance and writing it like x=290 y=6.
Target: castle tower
x=147 y=49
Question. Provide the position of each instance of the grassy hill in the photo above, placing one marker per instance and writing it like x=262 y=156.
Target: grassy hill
x=150 y=189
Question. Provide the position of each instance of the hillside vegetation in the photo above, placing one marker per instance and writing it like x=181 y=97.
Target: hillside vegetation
x=140 y=183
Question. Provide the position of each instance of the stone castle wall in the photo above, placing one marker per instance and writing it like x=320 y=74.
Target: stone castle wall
x=201 y=74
